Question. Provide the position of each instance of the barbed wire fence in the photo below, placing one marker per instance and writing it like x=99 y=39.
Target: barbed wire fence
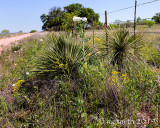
x=133 y=22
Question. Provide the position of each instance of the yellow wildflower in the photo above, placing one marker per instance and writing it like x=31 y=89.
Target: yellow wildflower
x=61 y=65
x=88 y=54
x=123 y=75
x=97 y=39
x=115 y=72
x=17 y=85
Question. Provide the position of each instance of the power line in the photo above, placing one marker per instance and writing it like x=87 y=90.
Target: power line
x=131 y=7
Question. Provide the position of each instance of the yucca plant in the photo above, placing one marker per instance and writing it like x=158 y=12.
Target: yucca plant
x=124 y=47
x=61 y=57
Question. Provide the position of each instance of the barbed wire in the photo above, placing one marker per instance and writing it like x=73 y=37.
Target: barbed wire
x=131 y=7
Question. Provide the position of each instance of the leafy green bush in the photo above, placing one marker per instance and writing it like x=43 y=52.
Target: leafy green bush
x=32 y=31
x=149 y=23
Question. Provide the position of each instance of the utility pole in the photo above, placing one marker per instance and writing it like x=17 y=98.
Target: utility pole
x=135 y=17
x=106 y=32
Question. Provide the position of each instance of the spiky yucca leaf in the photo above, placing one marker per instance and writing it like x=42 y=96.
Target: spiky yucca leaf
x=61 y=56
x=124 y=47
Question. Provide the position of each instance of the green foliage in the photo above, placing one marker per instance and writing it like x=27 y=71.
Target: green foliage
x=58 y=19
x=33 y=31
x=3 y=106
x=68 y=20
x=153 y=56
x=16 y=48
x=73 y=7
x=149 y=23
x=98 y=24
x=156 y=18
x=113 y=26
x=82 y=12
x=61 y=57
x=124 y=48
x=138 y=19
x=5 y=31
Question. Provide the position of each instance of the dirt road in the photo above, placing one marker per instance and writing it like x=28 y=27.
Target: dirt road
x=7 y=41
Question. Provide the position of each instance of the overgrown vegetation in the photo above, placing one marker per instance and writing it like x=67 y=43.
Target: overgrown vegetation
x=58 y=81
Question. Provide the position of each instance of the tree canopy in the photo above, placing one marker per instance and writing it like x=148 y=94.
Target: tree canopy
x=62 y=19
x=5 y=31
x=156 y=18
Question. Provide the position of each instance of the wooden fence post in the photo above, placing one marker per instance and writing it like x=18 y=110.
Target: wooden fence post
x=106 y=32
x=93 y=32
x=135 y=17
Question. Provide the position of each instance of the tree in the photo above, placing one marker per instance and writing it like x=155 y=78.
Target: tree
x=58 y=18
x=156 y=18
x=81 y=11
x=67 y=20
x=73 y=7
x=149 y=23
x=139 y=20
x=33 y=31
x=5 y=31
x=53 y=20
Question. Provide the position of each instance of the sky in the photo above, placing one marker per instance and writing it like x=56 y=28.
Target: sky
x=24 y=15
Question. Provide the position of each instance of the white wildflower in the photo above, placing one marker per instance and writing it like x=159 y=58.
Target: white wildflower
x=13 y=85
x=41 y=40
x=27 y=73
x=84 y=19
x=75 y=18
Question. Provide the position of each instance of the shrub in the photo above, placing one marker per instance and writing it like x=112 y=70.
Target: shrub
x=32 y=31
x=149 y=23
x=124 y=48
x=61 y=57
